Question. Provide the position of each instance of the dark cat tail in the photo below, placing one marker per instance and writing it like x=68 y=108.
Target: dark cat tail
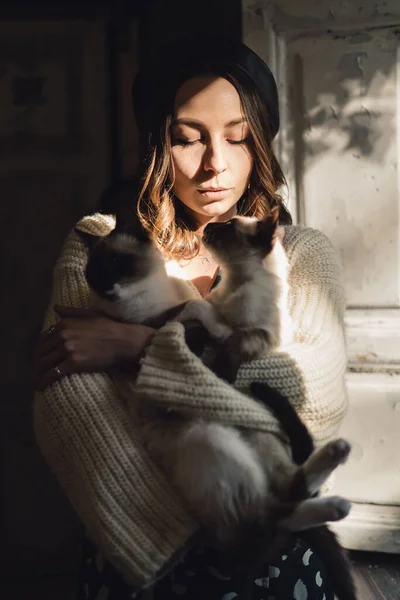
x=197 y=338
x=240 y=347
x=335 y=559
x=228 y=357
x=300 y=440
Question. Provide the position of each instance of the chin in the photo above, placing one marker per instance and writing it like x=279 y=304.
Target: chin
x=219 y=208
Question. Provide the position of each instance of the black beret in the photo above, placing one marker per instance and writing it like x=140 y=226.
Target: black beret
x=155 y=86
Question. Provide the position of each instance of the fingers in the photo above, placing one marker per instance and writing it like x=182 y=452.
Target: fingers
x=45 y=334
x=48 y=343
x=51 y=360
x=49 y=352
x=58 y=334
x=82 y=340
x=44 y=346
x=52 y=375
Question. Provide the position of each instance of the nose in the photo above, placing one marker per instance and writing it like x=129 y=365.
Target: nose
x=214 y=159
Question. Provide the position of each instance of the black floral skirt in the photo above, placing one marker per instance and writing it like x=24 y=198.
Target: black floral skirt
x=299 y=575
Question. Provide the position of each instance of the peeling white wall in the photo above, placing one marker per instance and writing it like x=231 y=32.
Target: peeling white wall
x=305 y=15
x=337 y=69
x=339 y=105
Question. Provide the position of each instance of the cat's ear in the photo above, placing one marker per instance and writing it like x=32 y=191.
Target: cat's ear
x=88 y=238
x=267 y=232
x=128 y=222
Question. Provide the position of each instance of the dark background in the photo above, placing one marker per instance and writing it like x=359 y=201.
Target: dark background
x=66 y=133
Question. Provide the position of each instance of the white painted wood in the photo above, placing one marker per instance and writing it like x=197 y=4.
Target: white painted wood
x=372 y=426
x=371 y=477
x=338 y=142
x=350 y=180
x=260 y=35
x=370 y=527
x=373 y=336
x=337 y=66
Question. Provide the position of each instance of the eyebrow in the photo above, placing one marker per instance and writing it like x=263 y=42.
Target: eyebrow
x=196 y=123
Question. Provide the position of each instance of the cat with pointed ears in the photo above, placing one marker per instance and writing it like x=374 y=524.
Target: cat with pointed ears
x=238 y=485
x=248 y=312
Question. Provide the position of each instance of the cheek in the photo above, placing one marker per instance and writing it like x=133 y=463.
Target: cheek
x=186 y=164
x=242 y=167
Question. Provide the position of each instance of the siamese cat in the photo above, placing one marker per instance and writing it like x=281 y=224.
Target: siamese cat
x=238 y=485
x=248 y=312
x=127 y=276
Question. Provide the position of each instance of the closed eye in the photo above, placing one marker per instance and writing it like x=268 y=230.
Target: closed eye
x=180 y=142
x=184 y=143
x=239 y=142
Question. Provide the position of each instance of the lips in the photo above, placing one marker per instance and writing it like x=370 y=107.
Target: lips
x=215 y=193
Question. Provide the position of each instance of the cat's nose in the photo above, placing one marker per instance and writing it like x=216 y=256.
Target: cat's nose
x=100 y=282
x=106 y=292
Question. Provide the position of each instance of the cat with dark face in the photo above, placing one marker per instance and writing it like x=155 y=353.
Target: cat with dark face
x=239 y=486
x=127 y=276
x=248 y=311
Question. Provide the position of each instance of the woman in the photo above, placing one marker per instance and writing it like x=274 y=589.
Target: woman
x=209 y=112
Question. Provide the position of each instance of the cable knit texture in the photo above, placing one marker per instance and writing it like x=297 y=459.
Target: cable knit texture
x=90 y=442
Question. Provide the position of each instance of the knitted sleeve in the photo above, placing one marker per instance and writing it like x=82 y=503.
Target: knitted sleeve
x=85 y=434
x=310 y=372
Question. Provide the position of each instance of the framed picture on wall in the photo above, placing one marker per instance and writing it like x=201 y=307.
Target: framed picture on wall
x=40 y=92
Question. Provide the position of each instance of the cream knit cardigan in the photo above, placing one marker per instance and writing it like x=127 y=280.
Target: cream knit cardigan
x=86 y=435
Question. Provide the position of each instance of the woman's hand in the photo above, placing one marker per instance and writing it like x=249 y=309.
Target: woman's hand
x=85 y=340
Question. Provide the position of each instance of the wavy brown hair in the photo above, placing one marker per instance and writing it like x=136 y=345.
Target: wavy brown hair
x=161 y=213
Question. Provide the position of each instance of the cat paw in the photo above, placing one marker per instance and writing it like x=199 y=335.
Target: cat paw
x=339 y=508
x=339 y=451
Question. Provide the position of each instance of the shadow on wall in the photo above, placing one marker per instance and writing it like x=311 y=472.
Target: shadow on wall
x=350 y=106
x=342 y=151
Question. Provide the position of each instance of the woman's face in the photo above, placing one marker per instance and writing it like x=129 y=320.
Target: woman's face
x=210 y=148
